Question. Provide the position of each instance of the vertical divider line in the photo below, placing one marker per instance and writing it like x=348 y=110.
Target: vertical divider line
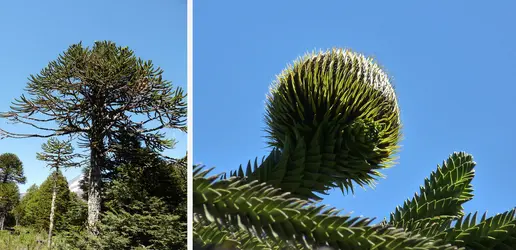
x=190 y=123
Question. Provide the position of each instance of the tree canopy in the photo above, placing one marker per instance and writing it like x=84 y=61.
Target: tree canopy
x=58 y=154
x=11 y=169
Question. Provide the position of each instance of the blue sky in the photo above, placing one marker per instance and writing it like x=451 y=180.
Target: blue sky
x=452 y=63
x=36 y=32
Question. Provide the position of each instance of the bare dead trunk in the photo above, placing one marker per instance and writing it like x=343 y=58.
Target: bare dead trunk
x=52 y=211
x=94 y=198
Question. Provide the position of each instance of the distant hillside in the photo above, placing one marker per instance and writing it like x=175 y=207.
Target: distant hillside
x=73 y=185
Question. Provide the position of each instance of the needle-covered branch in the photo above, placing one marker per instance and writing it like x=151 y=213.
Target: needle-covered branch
x=58 y=154
x=441 y=199
x=268 y=212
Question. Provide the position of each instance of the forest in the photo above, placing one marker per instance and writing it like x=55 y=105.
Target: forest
x=106 y=111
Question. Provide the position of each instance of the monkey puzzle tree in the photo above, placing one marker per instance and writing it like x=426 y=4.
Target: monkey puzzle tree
x=91 y=94
x=333 y=122
x=11 y=169
x=58 y=154
x=11 y=173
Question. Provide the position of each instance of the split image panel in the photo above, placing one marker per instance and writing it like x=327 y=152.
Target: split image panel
x=93 y=125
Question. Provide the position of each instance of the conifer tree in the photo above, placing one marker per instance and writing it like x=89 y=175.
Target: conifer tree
x=93 y=93
x=11 y=169
x=58 y=154
x=20 y=210
x=9 y=198
x=144 y=196
x=36 y=204
x=11 y=173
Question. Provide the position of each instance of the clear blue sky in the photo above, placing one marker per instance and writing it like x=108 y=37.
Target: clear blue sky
x=452 y=63
x=36 y=32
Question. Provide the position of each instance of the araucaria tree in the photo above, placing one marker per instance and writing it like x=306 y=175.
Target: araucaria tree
x=11 y=169
x=92 y=94
x=58 y=154
x=333 y=121
x=11 y=174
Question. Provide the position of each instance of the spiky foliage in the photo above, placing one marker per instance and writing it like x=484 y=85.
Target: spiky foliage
x=210 y=235
x=437 y=210
x=441 y=198
x=497 y=232
x=334 y=117
x=337 y=86
x=264 y=211
x=333 y=121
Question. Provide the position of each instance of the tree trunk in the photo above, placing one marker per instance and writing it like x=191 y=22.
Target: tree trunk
x=2 y=220
x=97 y=162
x=52 y=211
x=94 y=199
